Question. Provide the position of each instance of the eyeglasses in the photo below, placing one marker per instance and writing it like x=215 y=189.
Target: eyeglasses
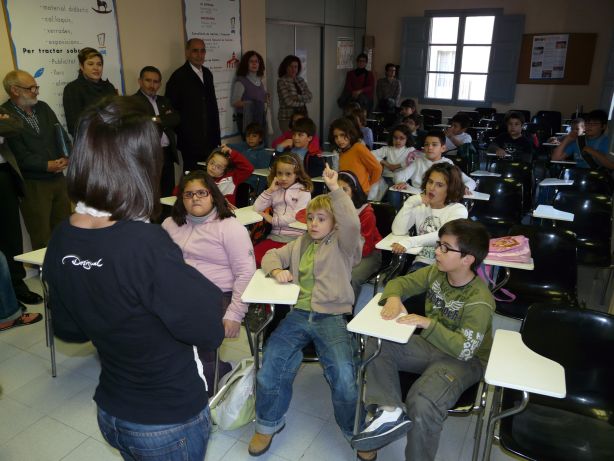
x=216 y=166
x=201 y=193
x=32 y=89
x=445 y=248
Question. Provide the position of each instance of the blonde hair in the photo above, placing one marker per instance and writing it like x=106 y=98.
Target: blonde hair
x=321 y=202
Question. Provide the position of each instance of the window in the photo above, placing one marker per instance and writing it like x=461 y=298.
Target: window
x=459 y=57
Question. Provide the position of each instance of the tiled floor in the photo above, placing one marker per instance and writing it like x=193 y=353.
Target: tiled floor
x=48 y=419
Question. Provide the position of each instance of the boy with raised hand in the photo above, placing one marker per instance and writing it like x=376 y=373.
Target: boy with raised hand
x=593 y=145
x=320 y=262
x=450 y=353
x=303 y=131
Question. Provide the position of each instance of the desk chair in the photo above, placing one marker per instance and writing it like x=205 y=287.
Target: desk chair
x=588 y=181
x=244 y=195
x=550 y=120
x=504 y=209
x=473 y=115
x=49 y=339
x=486 y=112
x=579 y=426
x=554 y=278
x=430 y=117
x=520 y=171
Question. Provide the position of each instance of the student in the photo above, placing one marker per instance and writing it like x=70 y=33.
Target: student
x=228 y=168
x=289 y=191
x=456 y=133
x=450 y=353
x=513 y=142
x=371 y=258
x=576 y=126
x=353 y=155
x=394 y=158
x=360 y=115
x=320 y=262
x=439 y=203
x=414 y=123
x=253 y=150
x=434 y=147
x=595 y=145
x=299 y=112
x=303 y=131
x=218 y=246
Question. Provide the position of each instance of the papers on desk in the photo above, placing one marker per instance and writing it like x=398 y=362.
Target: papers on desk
x=370 y=322
x=35 y=257
x=441 y=125
x=263 y=289
x=298 y=225
x=556 y=182
x=549 y=212
x=411 y=190
x=563 y=162
x=479 y=173
x=386 y=244
x=169 y=201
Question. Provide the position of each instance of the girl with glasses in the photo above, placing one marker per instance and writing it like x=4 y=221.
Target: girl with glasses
x=228 y=168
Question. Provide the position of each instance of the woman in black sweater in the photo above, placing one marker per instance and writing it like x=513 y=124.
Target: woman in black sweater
x=120 y=282
x=87 y=89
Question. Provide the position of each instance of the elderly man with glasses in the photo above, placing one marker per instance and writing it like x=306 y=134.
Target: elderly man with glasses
x=41 y=151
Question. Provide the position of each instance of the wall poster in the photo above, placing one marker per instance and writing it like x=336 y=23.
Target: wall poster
x=548 y=55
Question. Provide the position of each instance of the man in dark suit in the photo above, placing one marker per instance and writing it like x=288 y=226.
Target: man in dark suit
x=161 y=110
x=192 y=94
x=11 y=189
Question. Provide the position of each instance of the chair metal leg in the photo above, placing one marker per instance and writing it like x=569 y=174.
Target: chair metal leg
x=216 y=375
x=477 y=435
x=48 y=324
x=492 y=421
x=361 y=384
x=250 y=339
x=268 y=320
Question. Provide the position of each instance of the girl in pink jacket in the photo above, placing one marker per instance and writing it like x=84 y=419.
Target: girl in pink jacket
x=289 y=191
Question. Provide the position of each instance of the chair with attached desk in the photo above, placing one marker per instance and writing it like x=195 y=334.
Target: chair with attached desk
x=486 y=112
x=430 y=118
x=588 y=181
x=575 y=424
x=549 y=120
x=554 y=278
x=517 y=170
x=504 y=209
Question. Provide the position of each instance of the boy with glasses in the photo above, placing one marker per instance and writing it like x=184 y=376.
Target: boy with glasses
x=450 y=353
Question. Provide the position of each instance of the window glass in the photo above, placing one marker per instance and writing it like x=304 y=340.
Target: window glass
x=444 y=30
x=472 y=87
x=439 y=86
x=478 y=30
x=475 y=59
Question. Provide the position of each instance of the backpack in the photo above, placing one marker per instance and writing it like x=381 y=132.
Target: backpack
x=234 y=405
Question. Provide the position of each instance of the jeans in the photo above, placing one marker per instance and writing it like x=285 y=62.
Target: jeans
x=9 y=309
x=282 y=359
x=158 y=442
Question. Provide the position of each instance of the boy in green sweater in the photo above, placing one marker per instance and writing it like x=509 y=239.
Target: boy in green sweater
x=450 y=353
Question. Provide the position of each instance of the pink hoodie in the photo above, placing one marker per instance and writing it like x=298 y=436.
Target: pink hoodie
x=221 y=250
x=285 y=203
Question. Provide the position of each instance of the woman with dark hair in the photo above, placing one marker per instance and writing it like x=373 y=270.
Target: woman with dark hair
x=87 y=89
x=122 y=283
x=388 y=91
x=359 y=85
x=249 y=95
x=292 y=90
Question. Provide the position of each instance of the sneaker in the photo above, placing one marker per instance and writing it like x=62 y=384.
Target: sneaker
x=384 y=428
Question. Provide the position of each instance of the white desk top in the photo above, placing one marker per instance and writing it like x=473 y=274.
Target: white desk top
x=245 y=215
x=550 y=144
x=35 y=257
x=370 y=322
x=330 y=154
x=380 y=143
x=201 y=163
x=492 y=154
x=411 y=190
x=441 y=125
x=513 y=365
x=562 y=133
x=386 y=244
x=549 y=212
x=564 y=162
x=556 y=182
x=261 y=172
x=478 y=173
x=512 y=265
x=263 y=289
x=169 y=201
x=298 y=225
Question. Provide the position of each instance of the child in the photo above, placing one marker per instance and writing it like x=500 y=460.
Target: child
x=303 y=131
x=450 y=353
x=394 y=158
x=353 y=155
x=414 y=123
x=434 y=147
x=289 y=191
x=595 y=145
x=576 y=126
x=299 y=112
x=512 y=143
x=216 y=244
x=228 y=168
x=440 y=202
x=253 y=150
x=371 y=258
x=456 y=133
x=320 y=262
x=360 y=115
x=408 y=107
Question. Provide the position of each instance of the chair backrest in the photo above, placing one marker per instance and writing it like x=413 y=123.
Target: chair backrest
x=242 y=196
x=473 y=115
x=517 y=170
x=486 y=112
x=589 y=181
x=384 y=216
x=550 y=120
x=505 y=197
x=582 y=341
x=430 y=117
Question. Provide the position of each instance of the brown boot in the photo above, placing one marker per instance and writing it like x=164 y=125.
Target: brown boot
x=260 y=443
x=367 y=455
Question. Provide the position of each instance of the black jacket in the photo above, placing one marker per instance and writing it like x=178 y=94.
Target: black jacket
x=79 y=95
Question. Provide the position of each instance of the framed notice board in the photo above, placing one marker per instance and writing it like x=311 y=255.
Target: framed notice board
x=578 y=60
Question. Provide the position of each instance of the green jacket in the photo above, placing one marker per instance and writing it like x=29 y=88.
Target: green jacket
x=33 y=150
x=461 y=317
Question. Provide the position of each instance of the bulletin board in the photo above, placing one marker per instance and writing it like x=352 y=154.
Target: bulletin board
x=578 y=65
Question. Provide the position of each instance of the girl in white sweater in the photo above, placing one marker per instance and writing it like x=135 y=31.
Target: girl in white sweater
x=442 y=191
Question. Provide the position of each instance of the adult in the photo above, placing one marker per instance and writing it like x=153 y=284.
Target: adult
x=388 y=90
x=292 y=90
x=120 y=282
x=359 y=84
x=192 y=94
x=40 y=157
x=11 y=313
x=249 y=96
x=87 y=89
x=11 y=190
x=166 y=119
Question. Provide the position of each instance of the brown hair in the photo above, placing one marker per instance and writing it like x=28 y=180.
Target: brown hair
x=88 y=53
x=454 y=179
x=283 y=67
x=243 y=68
x=294 y=160
x=224 y=155
x=471 y=236
x=347 y=126
x=179 y=212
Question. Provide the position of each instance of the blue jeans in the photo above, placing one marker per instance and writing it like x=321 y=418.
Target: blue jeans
x=9 y=309
x=282 y=358
x=157 y=442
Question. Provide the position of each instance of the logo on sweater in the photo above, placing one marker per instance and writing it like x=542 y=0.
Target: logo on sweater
x=85 y=264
